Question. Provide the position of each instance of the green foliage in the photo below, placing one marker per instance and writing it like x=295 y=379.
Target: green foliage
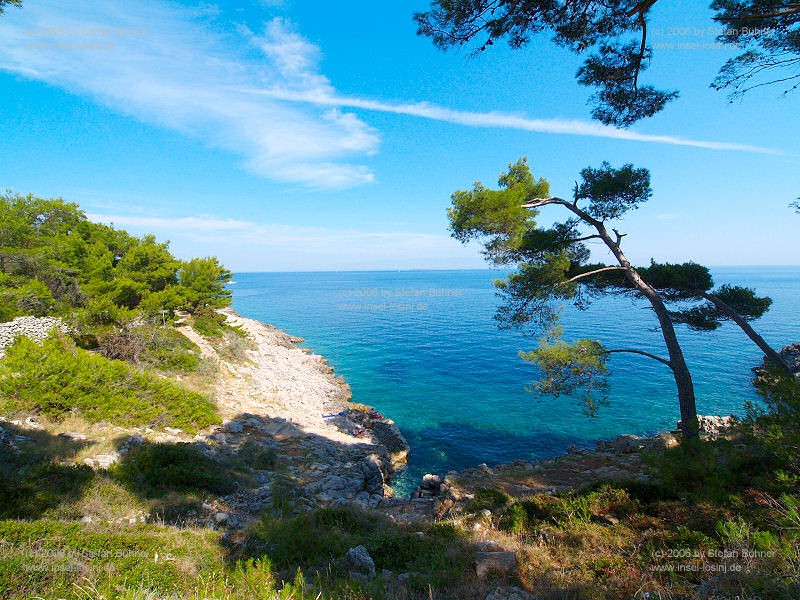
x=569 y=369
x=614 y=35
x=256 y=456
x=57 y=378
x=613 y=192
x=4 y=3
x=208 y=322
x=41 y=487
x=489 y=499
x=53 y=260
x=677 y=281
x=321 y=538
x=768 y=32
x=515 y=520
x=154 y=469
x=497 y=215
x=160 y=346
x=203 y=280
x=617 y=102
x=713 y=470
x=775 y=425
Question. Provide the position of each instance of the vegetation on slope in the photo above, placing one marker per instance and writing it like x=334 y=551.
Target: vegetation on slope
x=57 y=379
x=53 y=260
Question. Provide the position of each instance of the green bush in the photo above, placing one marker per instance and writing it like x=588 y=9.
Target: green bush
x=713 y=470
x=322 y=538
x=155 y=469
x=515 y=520
x=44 y=486
x=488 y=498
x=57 y=378
x=208 y=322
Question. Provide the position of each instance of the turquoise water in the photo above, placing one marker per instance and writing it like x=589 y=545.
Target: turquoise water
x=423 y=348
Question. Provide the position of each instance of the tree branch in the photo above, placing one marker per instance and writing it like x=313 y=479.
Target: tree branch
x=642 y=352
x=590 y=273
x=734 y=316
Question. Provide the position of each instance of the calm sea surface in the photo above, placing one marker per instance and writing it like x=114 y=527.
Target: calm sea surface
x=423 y=348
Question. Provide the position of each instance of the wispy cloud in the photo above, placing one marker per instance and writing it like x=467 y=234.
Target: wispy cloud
x=275 y=246
x=501 y=120
x=259 y=94
x=173 y=67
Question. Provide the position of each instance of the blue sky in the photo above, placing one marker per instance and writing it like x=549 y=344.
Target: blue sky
x=288 y=135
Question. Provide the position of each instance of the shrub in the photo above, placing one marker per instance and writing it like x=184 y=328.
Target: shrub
x=488 y=498
x=208 y=322
x=44 y=486
x=57 y=378
x=515 y=520
x=321 y=538
x=157 y=468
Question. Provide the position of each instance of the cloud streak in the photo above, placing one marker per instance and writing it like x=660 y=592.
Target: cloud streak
x=260 y=95
x=504 y=120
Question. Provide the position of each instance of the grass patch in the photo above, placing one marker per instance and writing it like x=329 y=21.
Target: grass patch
x=57 y=378
x=50 y=559
x=319 y=540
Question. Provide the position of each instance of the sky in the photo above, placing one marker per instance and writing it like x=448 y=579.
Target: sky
x=282 y=135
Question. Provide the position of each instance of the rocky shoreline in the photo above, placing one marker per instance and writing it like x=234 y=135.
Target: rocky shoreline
x=286 y=400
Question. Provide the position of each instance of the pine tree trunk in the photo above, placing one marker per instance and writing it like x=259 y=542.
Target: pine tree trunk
x=734 y=316
x=677 y=362
x=680 y=371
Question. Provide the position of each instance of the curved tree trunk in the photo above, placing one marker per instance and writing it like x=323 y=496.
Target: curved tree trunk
x=734 y=316
x=677 y=362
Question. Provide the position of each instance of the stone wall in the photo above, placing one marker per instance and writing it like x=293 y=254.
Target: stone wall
x=36 y=328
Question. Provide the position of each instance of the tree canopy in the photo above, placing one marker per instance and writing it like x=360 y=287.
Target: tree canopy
x=614 y=36
x=54 y=260
x=552 y=265
x=4 y=3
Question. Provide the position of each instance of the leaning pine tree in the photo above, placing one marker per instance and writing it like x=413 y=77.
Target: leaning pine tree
x=553 y=266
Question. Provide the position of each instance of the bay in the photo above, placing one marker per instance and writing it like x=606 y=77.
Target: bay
x=424 y=349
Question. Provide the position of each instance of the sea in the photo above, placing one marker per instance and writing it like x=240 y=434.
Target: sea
x=424 y=349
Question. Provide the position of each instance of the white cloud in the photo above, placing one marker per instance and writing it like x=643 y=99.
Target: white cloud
x=169 y=66
x=501 y=120
x=261 y=95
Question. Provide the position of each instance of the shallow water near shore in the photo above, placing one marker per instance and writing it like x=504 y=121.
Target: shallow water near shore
x=424 y=349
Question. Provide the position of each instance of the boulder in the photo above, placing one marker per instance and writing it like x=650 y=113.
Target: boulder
x=504 y=563
x=431 y=483
x=359 y=560
x=510 y=593
x=233 y=427
x=389 y=436
x=624 y=444
x=791 y=356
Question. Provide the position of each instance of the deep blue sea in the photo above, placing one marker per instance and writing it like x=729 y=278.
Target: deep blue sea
x=424 y=349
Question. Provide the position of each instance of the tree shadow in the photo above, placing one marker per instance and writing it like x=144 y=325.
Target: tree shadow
x=35 y=471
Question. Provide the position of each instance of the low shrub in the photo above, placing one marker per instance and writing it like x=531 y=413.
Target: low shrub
x=57 y=378
x=489 y=499
x=155 y=469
